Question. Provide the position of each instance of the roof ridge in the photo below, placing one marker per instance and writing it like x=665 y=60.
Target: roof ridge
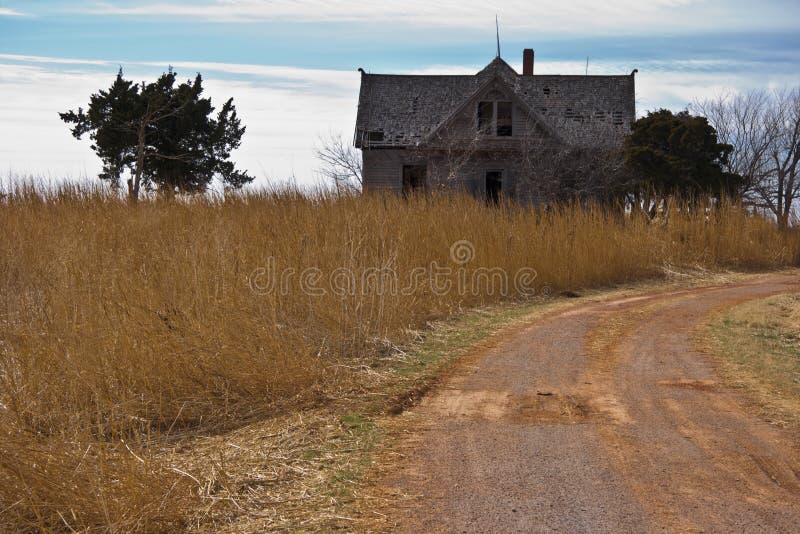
x=420 y=75
x=533 y=76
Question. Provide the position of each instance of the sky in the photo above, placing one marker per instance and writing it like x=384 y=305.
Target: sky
x=291 y=65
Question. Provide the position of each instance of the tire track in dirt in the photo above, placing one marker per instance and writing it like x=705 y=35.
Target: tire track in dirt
x=601 y=418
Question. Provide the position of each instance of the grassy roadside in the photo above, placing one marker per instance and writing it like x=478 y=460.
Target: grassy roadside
x=329 y=454
x=757 y=348
x=339 y=451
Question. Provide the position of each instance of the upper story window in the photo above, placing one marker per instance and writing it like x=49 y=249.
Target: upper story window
x=495 y=118
x=504 y=119
x=485 y=117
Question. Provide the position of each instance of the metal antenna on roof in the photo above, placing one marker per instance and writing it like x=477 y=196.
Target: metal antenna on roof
x=497 y=25
x=587 y=65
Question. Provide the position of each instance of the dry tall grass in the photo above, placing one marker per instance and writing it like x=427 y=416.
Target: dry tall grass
x=123 y=326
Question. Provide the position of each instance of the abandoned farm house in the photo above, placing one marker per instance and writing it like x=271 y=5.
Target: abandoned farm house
x=483 y=132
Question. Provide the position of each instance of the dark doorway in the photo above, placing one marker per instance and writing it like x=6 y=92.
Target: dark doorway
x=414 y=177
x=494 y=185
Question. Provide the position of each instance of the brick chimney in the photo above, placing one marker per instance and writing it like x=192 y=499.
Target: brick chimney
x=527 y=62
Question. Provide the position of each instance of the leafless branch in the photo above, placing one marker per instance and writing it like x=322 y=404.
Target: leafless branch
x=764 y=129
x=340 y=162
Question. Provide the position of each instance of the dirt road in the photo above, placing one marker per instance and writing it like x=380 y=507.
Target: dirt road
x=601 y=418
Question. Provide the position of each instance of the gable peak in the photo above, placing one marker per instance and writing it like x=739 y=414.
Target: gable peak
x=497 y=66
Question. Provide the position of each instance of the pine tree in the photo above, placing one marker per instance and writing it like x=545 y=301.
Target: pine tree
x=164 y=135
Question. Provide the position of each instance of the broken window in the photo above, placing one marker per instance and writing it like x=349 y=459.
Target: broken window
x=485 y=116
x=414 y=178
x=495 y=118
x=504 y=119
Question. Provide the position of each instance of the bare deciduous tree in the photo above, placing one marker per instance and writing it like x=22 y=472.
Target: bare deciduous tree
x=341 y=162
x=764 y=129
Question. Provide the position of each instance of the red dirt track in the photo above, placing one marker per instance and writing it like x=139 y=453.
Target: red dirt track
x=601 y=418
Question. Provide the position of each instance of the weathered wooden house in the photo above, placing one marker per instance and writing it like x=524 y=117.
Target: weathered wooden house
x=482 y=132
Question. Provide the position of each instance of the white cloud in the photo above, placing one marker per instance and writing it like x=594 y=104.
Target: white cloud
x=675 y=84
x=294 y=77
x=447 y=69
x=581 y=16
x=284 y=110
x=53 y=60
x=7 y=12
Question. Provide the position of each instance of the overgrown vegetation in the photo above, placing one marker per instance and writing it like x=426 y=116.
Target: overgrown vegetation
x=128 y=332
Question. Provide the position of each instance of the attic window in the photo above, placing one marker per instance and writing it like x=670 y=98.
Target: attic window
x=485 y=116
x=495 y=118
x=504 y=115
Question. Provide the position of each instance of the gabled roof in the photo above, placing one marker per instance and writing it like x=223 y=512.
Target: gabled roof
x=403 y=110
x=497 y=82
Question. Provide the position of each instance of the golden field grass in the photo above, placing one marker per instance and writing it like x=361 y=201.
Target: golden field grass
x=757 y=347
x=138 y=341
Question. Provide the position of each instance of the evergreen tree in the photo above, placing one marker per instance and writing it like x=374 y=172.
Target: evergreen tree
x=165 y=135
x=679 y=153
